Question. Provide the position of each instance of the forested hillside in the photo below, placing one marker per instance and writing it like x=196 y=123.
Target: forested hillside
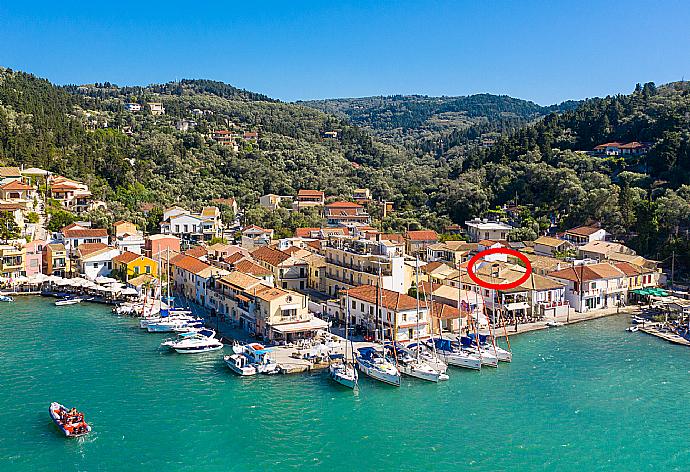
x=129 y=158
x=437 y=125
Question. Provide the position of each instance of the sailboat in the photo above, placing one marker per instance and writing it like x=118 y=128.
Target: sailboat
x=412 y=363
x=342 y=370
x=374 y=363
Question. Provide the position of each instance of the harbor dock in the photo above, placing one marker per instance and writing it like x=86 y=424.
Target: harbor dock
x=665 y=335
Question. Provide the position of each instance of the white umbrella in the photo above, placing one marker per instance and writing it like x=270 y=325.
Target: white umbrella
x=105 y=280
x=129 y=291
x=62 y=282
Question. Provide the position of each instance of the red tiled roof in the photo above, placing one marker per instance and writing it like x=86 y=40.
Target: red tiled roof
x=387 y=298
x=234 y=258
x=583 y=230
x=422 y=235
x=85 y=233
x=16 y=185
x=343 y=205
x=126 y=257
x=248 y=267
x=88 y=248
x=197 y=251
x=305 y=232
x=394 y=237
x=633 y=145
x=257 y=228
x=445 y=312
x=630 y=269
x=189 y=263
x=11 y=206
x=309 y=193
x=588 y=272
x=270 y=255
x=605 y=145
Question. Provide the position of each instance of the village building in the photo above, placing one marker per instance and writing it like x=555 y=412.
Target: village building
x=12 y=264
x=18 y=190
x=255 y=236
x=593 y=286
x=417 y=242
x=161 y=246
x=129 y=265
x=33 y=257
x=403 y=317
x=73 y=196
x=95 y=261
x=133 y=107
x=362 y=196
x=156 y=108
x=289 y=273
x=603 y=250
x=350 y=263
x=317 y=272
x=75 y=234
x=548 y=246
x=9 y=174
x=192 y=227
x=308 y=199
x=272 y=201
x=345 y=213
x=584 y=234
x=55 y=260
x=450 y=252
x=478 y=229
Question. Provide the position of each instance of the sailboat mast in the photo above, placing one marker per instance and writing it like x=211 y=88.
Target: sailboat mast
x=347 y=319
x=416 y=276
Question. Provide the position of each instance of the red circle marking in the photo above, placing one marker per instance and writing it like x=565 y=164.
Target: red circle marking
x=499 y=250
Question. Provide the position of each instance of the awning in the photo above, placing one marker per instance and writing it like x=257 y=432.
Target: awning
x=517 y=306
x=242 y=298
x=299 y=326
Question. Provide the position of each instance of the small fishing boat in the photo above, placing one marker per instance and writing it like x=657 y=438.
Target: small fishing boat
x=632 y=329
x=194 y=342
x=239 y=363
x=638 y=320
x=70 y=422
x=259 y=356
x=554 y=324
x=375 y=365
x=6 y=298
x=68 y=301
x=342 y=371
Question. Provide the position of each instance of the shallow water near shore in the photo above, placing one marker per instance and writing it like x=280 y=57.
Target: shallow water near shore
x=585 y=397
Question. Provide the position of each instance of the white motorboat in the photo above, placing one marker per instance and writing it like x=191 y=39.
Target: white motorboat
x=168 y=325
x=6 y=298
x=638 y=320
x=258 y=355
x=632 y=329
x=194 y=342
x=453 y=354
x=342 y=372
x=68 y=301
x=239 y=363
x=374 y=364
x=554 y=324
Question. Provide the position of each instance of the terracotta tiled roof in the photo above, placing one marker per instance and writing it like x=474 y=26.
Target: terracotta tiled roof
x=340 y=205
x=240 y=280
x=16 y=185
x=588 y=272
x=257 y=228
x=197 y=251
x=248 y=267
x=127 y=257
x=309 y=193
x=10 y=172
x=394 y=237
x=422 y=235
x=234 y=258
x=267 y=293
x=445 y=312
x=583 y=230
x=6 y=206
x=630 y=269
x=270 y=255
x=387 y=298
x=305 y=232
x=85 y=233
x=487 y=242
x=189 y=263
x=87 y=248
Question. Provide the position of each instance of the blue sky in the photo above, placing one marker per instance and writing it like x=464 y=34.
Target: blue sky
x=537 y=50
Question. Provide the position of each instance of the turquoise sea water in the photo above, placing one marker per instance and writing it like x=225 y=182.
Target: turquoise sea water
x=585 y=397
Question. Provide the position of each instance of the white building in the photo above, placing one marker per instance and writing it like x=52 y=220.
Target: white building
x=478 y=229
x=397 y=311
x=98 y=263
x=592 y=286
